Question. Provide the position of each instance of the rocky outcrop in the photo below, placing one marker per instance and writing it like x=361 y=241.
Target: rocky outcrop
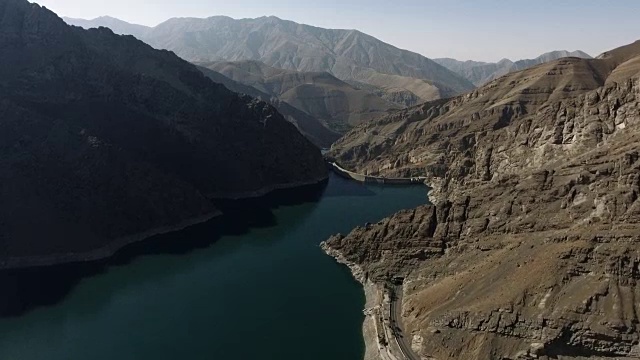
x=390 y=247
x=531 y=248
x=104 y=140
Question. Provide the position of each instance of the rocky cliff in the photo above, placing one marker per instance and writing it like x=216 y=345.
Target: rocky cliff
x=531 y=249
x=104 y=140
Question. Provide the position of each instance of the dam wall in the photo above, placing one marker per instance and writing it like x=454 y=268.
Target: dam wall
x=374 y=179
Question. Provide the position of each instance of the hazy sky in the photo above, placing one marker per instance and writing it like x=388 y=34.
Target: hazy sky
x=486 y=30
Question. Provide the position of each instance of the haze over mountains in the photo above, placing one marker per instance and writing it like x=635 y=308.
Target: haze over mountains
x=105 y=140
x=116 y=25
x=399 y=75
x=282 y=62
x=480 y=73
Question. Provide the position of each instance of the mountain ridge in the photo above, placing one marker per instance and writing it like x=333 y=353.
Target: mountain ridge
x=479 y=73
x=118 y=26
x=350 y=55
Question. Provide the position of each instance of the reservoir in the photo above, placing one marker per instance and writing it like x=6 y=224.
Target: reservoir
x=261 y=288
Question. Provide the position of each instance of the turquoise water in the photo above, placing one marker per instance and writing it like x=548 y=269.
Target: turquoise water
x=263 y=290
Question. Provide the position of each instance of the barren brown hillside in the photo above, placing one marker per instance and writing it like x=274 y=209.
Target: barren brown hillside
x=531 y=249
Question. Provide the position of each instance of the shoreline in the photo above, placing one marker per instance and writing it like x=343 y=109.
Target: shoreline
x=374 y=331
x=110 y=249
x=101 y=253
x=377 y=332
x=266 y=190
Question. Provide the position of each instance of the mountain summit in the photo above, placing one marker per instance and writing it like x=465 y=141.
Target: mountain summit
x=398 y=75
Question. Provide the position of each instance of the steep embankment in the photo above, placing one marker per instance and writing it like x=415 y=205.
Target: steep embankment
x=531 y=249
x=105 y=140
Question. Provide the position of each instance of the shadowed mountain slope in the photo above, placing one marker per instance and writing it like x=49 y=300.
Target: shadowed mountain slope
x=105 y=140
x=337 y=104
x=311 y=127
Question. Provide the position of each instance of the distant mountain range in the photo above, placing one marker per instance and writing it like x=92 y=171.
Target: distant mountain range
x=324 y=81
x=394 y=74
x=116 y=25
x=479 y=73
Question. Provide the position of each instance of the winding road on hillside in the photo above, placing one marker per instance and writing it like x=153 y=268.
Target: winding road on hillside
x=395 y=317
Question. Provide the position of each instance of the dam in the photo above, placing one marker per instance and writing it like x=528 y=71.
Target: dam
x=339 y=170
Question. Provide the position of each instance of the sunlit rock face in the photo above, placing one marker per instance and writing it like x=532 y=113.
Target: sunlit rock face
x=531 y=248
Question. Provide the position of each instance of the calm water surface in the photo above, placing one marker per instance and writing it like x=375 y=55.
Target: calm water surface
x=265 y=293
